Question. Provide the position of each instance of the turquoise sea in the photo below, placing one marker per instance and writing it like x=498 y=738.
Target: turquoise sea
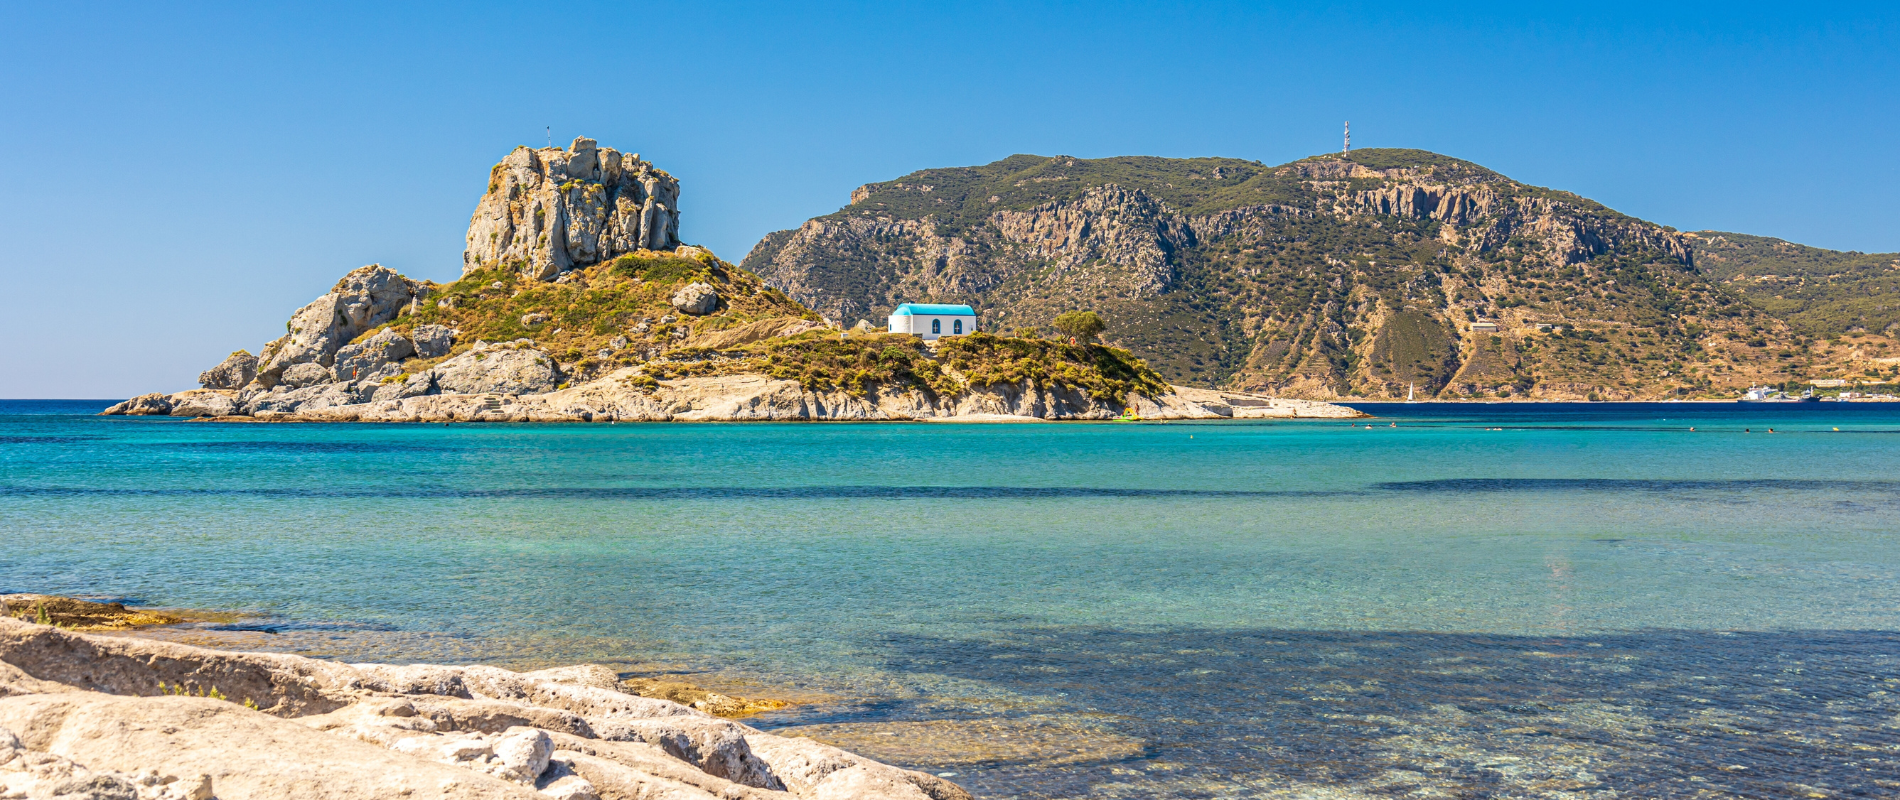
x=1508 y=600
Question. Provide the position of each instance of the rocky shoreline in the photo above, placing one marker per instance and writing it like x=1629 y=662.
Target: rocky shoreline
x=619 y=398
x=104 y=716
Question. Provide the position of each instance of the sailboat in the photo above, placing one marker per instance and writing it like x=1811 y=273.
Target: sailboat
x=1408 y=393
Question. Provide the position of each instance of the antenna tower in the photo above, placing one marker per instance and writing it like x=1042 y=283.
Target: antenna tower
x=1348 y=138
x=550 y=135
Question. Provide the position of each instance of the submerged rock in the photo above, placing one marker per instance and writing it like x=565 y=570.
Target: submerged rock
x=78 y=614
x=692 y=696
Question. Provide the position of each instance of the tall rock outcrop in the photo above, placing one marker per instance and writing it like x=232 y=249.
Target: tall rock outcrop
x=550 y=210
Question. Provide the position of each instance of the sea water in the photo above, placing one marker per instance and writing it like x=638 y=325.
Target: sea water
x=1502 y=600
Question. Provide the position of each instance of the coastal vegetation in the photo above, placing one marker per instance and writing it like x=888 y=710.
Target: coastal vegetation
x=599 y=318
x=857 y=364
x=1081 y=326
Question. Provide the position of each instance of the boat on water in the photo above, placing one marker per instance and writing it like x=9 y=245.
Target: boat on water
x=1764 y=394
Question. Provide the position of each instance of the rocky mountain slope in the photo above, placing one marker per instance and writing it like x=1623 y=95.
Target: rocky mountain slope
x=1819 y=292
x=1372 y=275
x=577 y=303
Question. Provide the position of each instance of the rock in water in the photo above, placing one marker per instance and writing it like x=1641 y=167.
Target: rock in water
x=432 y=341
x=364 y=299
x=309 y=398
x=300 y=375
x=238 y=369
x=500 y=369
x=143 y=405
x=554 y=209
x=359 y=361
x=203 y=403
x=697 y=299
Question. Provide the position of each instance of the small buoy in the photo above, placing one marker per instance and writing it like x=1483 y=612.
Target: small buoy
x=1837 y=429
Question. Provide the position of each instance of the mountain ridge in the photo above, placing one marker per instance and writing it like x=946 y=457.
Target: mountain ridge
x=1338 y=275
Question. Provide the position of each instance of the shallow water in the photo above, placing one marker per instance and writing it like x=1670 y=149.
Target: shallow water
x=1485 y=601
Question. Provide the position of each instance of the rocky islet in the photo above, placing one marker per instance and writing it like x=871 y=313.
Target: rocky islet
x=578 y=303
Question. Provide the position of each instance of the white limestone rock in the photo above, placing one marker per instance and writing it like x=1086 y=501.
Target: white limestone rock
x=309 y=398
x=362 y=361
x=697 y=299
x=552 y=210
x=237 y=369
x=415 y=385
x=298 y=376
x=247 y=754
x=561 y=783
x=325 y=730
x=365 y=298
x=432 y=341
x=155 y=405
x=204 y=403
x=508 y=369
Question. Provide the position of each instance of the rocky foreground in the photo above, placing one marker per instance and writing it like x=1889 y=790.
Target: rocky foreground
x=88 y=716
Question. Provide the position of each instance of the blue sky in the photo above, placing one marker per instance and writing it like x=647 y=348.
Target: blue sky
x=182 y=178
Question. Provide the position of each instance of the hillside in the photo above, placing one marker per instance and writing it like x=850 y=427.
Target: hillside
x=576 y=302
x=1331 y=276
x=1819 y=292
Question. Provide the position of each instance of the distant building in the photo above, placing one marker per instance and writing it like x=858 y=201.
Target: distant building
x=1828 y=383
x=1484 y=326
x=931 y=320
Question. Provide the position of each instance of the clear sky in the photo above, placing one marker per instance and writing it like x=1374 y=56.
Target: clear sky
x=181 y=178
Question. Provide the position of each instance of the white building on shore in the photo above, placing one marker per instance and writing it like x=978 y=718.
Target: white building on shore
x=931 y=320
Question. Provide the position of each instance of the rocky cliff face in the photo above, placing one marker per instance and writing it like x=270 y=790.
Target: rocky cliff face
x=549 y=210
x=1370 y=275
